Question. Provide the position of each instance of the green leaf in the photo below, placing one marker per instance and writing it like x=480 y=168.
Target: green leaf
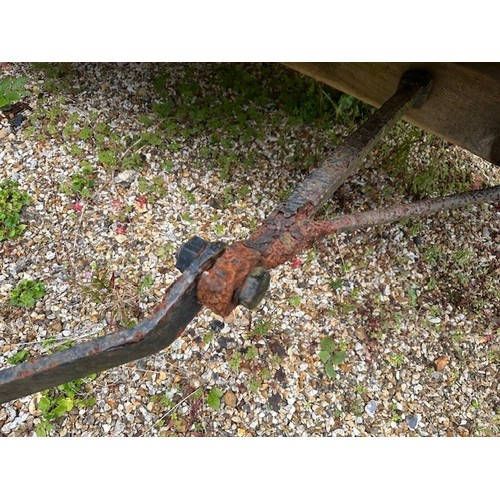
x=413 y=297
x=18 y=83
x=19 y=357
x=338 y=357
x=146 y=282
x=64 y=405
x=330 y=370
x=324 y=356
x=44 y=405
x=327 y=344
x=26 y=293
x=337 y=283
x=11 y=90
x=43 y=428
x=83 y=403
x=213 y=398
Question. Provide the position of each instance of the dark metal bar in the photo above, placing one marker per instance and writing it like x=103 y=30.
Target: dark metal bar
x=319 y=186
x=395 y=213
x=159 y=330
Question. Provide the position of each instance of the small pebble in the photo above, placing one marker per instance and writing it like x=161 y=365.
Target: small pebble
x=371 y=407
x=17 y=120
x=125 y=178
x=413 y=421
x=216 y=326
x=230 y=399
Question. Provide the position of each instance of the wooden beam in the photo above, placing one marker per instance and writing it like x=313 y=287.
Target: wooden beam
x=463 y=106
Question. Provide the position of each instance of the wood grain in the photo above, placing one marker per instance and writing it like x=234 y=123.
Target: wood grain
x=463 y=106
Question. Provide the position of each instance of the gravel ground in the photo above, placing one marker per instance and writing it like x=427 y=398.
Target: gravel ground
x=412 y=310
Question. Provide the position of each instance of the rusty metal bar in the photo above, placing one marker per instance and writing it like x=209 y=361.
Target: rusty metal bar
x=319 y=186
x=398 y=212
x=282 y=235
x=351 y=222
x=159 y=330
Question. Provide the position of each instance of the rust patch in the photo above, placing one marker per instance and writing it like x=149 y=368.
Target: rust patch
x=217 y=287
x=277 y=247
x=277 y=241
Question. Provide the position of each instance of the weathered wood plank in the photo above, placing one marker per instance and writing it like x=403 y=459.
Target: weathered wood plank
x=463 y=106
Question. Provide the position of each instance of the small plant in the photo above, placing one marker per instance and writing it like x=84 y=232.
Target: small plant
x=167 y=165
x=107 y=157
x=53 y=344
x=163 y=401
x=295 y=301
x=331 y=355
x=12 y=201
x=396 y=359
x=81 y=182
x=26 y=293
x=336 y=284
x=261 y=328
x=413 y=296
x=251 y=353
x=11 y=90
x=219 y=229
x=235 y=362
x=214 y=397
x=154 y=189
x=254 y=385
x=396 y=415
x=57 y=402
x=19 y=357
x=120 y=295
x=208 y=337
x=146 y=283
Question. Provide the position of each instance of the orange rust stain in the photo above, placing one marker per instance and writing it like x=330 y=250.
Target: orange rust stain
x=216 y=287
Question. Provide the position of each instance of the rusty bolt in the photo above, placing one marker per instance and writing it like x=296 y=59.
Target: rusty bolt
x=254 y=288
x=189 y=251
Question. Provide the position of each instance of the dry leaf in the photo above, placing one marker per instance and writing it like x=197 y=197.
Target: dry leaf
x=440 y=363
x=230 y=398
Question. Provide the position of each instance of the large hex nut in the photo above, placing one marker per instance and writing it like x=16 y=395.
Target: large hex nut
x=254 y=288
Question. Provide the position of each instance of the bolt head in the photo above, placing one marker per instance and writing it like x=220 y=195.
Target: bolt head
x=254 y=288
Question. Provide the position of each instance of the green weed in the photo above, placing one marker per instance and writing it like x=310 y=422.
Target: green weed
x=146 y=283
x=12 y=201
x=251 y=353
x=438 y=175
x=61 y=400
x=26 y=293
x=12 y=90
x=235 y=361
x=214 y=398
x=331 y=354
x=82 y=182
x=261 y=328
x=397 y=359
x=254 y=385
x=19 y=357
